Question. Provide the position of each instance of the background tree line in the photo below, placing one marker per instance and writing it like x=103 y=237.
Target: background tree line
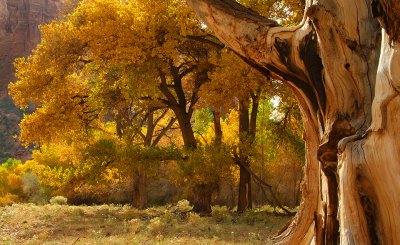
x=137 y=101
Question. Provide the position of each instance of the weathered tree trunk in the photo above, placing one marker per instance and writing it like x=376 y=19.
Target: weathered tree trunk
x=344 y=68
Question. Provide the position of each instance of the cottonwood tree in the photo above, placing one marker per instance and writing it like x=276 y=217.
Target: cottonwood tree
x=239 y=88
x=119 y=51
x=343 y=64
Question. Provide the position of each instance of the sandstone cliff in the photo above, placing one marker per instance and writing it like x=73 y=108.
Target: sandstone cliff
x=19 y=34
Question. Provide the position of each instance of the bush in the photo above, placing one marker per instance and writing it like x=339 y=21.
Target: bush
x=220 y=214
x=183 y=206
x=253 y=217
x=32 y=188
x=60 y=200
x=8 y=199
x=194 y=218
x=169 y=218
x=250 y=217
x=157 y=226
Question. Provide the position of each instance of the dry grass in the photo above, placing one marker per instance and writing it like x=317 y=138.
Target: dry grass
x=108 y=224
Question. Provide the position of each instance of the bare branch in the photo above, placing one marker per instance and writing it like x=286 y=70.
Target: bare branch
x=161 y=117
x=201 y=135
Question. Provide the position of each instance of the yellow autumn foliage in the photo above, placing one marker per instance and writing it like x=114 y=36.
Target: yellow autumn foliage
x=105 y=51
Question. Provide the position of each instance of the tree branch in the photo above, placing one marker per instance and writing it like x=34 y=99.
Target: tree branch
x=201 y=135
x=161 y=117
x=233 y=24
x=164 y=131
x=283 y=51
x=178 y=85
x=165 y=91
x=203 y=39
x=186 y=71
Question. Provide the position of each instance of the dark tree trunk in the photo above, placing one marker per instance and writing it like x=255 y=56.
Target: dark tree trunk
x=202 y=192
x=247 y=125
x=217 y=138
x=217 y=127
x=183 y=108
x=139 y=200
x=178 y=104
x=186 y=128
x=150 y=129
x=203 y=197
x=244 y=198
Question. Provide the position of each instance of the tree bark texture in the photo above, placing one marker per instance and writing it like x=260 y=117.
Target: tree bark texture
x=203 y=197
x=343 y=65
x=139 y=200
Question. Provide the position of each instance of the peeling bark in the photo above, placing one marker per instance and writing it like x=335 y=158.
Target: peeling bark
x=343 y=64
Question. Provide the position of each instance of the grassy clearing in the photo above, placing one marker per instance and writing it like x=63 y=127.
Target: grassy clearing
x=108 y=224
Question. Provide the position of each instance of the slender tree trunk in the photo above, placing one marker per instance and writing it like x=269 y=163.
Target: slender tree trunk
x=247 y=131
x=217 y=127
x=244 y=197
x=344 y=68
x=218 y=140
x=149 y=130
x=139 y=199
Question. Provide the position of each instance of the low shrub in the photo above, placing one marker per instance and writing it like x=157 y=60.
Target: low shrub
x=8 y=199
x=60 y=200
x=220 y=214
x=32 y=189
x=194 y=218
x=183 y=206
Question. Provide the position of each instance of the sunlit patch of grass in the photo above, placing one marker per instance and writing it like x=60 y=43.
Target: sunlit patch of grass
x=117 y=224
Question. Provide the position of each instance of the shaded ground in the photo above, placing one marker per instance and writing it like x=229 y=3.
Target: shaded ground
x=107 y=224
